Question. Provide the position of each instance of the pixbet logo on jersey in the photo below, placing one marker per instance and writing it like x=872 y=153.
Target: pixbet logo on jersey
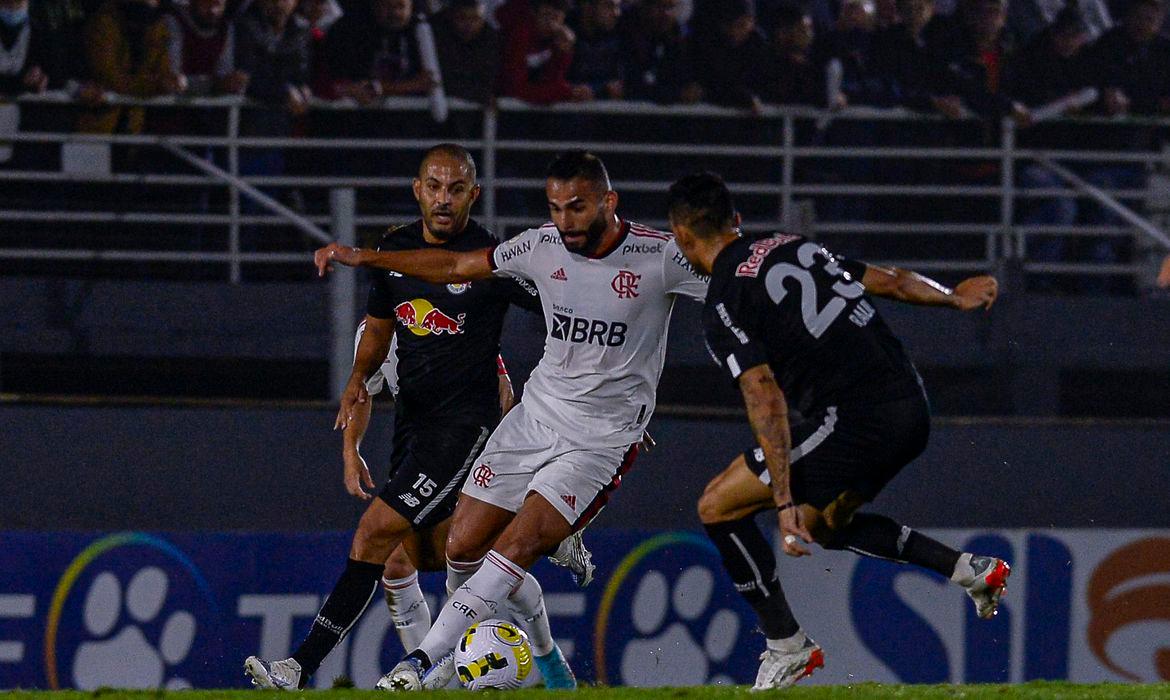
x=422 y=318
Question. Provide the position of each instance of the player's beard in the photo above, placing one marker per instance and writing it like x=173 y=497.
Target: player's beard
x=592 y=235
x=445 y=231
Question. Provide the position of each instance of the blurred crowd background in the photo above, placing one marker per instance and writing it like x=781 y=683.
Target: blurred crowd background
x=953 y=57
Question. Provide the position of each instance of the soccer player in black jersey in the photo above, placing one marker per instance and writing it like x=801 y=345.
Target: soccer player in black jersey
x=793 y=325
x=448 y=343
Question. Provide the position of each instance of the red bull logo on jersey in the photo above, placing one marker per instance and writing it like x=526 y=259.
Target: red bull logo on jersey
x=760 y=250
x=423 y=318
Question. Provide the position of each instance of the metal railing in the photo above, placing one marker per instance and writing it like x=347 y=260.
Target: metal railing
x=783 y=165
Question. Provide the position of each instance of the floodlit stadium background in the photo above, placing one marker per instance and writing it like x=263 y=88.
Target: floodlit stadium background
x=167 y=362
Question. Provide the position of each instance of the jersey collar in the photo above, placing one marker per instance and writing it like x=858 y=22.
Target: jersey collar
x=625 y=232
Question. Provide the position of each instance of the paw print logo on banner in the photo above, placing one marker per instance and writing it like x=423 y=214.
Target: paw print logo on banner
x=670 y=617
x=120 y=654
x=130 y=611
x=680 y=633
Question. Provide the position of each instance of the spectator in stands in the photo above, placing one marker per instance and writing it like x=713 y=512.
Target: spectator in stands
x=1049 y=68
x=597 y=55
x=126 y=43
x=372 y=53
x=911 y=76
x=201 y=42
x=320 y=14
x=652 y=51
x=1131 y=62
x=726 y=56
x=64 y=21
x=469 y=51
x=972 y=44
x=851 y=42
x=792 y=77
x=24 y=63
x=273 y=51
x=537 y=56
x=1027 y=19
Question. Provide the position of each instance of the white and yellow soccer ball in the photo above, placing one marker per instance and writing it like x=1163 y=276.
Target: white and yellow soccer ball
x=493 y=654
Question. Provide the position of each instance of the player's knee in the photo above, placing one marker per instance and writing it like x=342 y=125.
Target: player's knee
x=398 y=566
x=464 y=548
x=711 y=505
x=374 y=539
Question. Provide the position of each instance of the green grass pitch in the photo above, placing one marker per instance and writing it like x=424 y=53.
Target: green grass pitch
x=1026 y=691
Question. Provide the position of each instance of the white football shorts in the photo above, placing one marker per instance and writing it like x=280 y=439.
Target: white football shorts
x=523 y=456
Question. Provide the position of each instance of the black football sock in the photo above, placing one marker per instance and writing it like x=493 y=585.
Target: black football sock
x=749 y=560
x=877 y=536
x=351 y=594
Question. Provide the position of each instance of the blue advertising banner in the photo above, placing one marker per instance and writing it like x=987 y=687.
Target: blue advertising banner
x=178 y=610
x=175 y=610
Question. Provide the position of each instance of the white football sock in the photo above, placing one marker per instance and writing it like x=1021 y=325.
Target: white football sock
x=789 y=644
x=527 y=603
x=408 y=610
x=459 y=571
x=964 y=573
x=481 y=598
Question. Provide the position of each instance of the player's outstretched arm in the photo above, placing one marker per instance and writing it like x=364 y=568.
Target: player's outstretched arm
x=912 y=288
x=443 y=266
x=768 y=414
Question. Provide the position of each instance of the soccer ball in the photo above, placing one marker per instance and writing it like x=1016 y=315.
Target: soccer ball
x=493 y=654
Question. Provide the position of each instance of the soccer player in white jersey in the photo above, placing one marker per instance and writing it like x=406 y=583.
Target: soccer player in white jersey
x=607 y=288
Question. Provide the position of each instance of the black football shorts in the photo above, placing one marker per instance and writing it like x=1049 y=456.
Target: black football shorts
x=428 y=465
x=851 y=448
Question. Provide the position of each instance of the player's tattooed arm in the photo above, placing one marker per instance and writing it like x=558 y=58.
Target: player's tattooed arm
x=912 y=288
x=768 y=415
x=433 y=265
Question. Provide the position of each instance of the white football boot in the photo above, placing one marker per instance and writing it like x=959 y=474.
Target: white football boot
x=572 y=554
x=277 y=675
x=781 y=669
x=988 y=584
x=405 y=676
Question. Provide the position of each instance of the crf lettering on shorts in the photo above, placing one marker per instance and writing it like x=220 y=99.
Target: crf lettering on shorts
x=575 y=329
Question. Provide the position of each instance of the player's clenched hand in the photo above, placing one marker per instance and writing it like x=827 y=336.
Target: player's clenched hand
x=357 y=475
x=976 y=292
x=793 y=533
x=355 y=393
x=324 y=258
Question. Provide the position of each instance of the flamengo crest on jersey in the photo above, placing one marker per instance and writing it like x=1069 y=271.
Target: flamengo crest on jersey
x=607 y=321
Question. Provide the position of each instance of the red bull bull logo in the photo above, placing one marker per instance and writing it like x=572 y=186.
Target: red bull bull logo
x=422 y=318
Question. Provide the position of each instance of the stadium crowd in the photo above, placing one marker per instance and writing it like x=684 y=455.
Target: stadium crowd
x=987 y=59
x=954 y=57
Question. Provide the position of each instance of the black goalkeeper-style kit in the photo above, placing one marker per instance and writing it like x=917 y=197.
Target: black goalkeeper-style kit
x=448 y=379
x=785 y=301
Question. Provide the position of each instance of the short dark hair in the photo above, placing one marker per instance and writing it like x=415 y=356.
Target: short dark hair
x=1135 y=4
x=786 y=15
x=702 y=203
x=583 y=164
x=452 y=150
x=559 y=5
